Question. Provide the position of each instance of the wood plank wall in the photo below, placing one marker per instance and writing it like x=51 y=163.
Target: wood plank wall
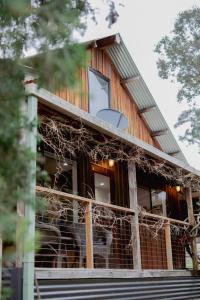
x=120 y=99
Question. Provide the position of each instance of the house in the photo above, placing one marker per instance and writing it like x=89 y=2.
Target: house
x=118 y=221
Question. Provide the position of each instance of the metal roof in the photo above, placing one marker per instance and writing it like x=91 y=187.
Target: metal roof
x=138 y=89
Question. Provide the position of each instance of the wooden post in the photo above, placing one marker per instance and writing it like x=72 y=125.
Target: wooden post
x=1 y=256
x=19 y=244
x=135 y=220
x=191 y=219
x=89 y=237
x=31 y=143
x=188 y=195
x=195 y=254
x=168 y=244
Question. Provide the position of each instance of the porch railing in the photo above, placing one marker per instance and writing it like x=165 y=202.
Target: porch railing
x=76 y=232
x=164 y=242
x=80 y=232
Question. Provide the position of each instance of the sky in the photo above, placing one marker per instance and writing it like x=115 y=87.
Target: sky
x=142 y=23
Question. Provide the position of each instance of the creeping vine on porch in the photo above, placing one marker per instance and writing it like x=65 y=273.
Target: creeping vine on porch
x=67 y=137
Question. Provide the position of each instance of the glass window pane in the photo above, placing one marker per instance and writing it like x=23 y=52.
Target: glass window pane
x=62 y=175
x=158 y=199
x=98 y=93
x=144 y=199
x=102 y=187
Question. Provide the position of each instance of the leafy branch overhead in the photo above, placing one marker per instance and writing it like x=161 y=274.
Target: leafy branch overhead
x=179 y=59
x=44 y=29
x=48 y=25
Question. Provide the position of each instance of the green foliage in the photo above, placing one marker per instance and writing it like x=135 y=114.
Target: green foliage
x=14 y=157
x=180 y=59
x=45 y=28
x=191 y=117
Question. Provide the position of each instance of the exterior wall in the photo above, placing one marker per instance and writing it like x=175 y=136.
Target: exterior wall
x=120 y=99
x=132 y=289
x=169 y=287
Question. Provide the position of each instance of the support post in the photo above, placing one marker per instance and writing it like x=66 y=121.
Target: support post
x=135 y=222
x=19 y=245
x=188 y=195
x=168 y=243
x=89 y=237
x=31 y=143
x=191 y=219
x=1 y=257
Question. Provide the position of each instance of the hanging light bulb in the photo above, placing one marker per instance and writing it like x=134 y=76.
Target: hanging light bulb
x=178 y=188
x=111 y=162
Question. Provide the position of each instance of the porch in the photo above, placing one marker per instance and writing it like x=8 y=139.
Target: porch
x=131 y=213
x=84 y=234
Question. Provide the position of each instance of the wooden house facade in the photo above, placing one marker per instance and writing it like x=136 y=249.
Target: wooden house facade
x=118 y=211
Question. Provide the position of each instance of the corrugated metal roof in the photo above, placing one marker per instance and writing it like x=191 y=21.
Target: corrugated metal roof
x=155 y=120
x=143 y=98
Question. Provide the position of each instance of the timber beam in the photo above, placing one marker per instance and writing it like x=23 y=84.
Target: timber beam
x=173 y=153
x=30 y=140
x=147 y=109
x=129 y=79
x=72 y=273
x=159 y=132
x=135 y=219
x=105 y=42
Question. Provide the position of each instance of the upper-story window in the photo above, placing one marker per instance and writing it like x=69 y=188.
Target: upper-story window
x=98 y=92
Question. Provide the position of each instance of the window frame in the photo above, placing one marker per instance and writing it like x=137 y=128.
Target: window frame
x=73 y=163
x=164 y=212
x=145 y=187
x=96 y=72
x=164 y=209
x=94 y=168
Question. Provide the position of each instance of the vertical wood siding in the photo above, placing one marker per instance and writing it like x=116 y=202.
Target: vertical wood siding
x=120 y=99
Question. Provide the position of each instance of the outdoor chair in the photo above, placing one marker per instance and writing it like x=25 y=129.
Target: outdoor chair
x=102 y=240
x=50 y=239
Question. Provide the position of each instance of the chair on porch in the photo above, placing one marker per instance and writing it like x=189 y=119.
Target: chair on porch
x=51 y=241
x=102 y=240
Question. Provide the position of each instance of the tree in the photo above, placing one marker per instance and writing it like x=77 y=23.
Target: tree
x=37 y=26
x=180 y=59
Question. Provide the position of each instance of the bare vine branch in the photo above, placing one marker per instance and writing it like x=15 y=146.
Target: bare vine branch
x=65 y=137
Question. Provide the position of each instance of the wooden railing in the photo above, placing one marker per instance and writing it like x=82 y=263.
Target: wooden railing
x=162 y=232
x=121 y=214
x=97 y=215
x=81 y=199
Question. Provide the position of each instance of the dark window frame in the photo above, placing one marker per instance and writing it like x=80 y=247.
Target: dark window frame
x=106 y=172
x=145 y=187
x=96 y=72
